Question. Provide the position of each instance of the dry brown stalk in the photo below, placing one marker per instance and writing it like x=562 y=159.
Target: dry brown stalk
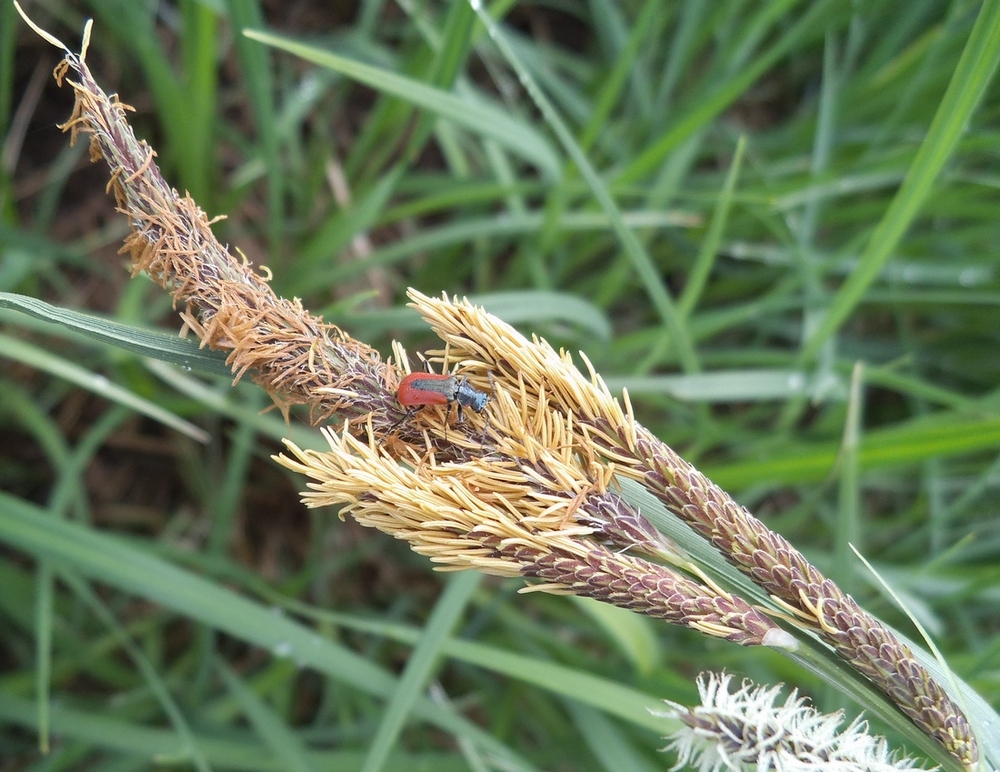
x=536 y=499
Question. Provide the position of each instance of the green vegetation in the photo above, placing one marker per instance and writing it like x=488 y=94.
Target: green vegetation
x=774 y=223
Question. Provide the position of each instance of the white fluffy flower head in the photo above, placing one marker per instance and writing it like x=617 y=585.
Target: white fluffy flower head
x=748 y=730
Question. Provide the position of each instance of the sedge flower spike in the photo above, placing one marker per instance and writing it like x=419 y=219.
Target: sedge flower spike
x=748 y=730
x=527 y=484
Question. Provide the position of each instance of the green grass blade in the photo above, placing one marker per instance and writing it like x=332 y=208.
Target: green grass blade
x=961 y=99
x=471 y=228
x=20 y=351
x=423 y=660
x=339 y=230
x=475 y=115
x=641 y=263
x=614 y=699
x=145 y=747
x=626 y=66
x=44 y=592
x=722 y=96
x=115 y=562
x=609 y=744
x=164 y=346
x=259 y=78
x=269 y=726
x=910 y=443
x=188 y=750
x=702 y=268
x=633 y=634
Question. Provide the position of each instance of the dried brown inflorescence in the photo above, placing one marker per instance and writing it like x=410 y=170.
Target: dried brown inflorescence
x=528 y=490
x=294 y=355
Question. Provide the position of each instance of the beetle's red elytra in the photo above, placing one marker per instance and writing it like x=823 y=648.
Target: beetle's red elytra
x=419 y=389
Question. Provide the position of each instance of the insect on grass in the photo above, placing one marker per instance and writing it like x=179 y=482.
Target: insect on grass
x=418 y=390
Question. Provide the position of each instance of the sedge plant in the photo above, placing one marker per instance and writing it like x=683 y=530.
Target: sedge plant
x=538 y=485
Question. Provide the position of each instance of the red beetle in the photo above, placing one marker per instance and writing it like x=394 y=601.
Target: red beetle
x=419 y=389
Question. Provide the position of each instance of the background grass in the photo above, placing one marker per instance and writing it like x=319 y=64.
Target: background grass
x=728 y=206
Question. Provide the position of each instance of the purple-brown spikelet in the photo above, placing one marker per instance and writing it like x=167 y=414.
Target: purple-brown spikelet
x=606 y=431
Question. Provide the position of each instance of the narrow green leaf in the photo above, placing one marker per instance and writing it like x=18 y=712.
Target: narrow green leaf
x=909 y=444
x=43 y=360
x=145 y=342
x=145 y=747
x=270 y=727
x=965 y=91
x=425 y=658
x=116 y=562
x=642 y=264
x=477 y=115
